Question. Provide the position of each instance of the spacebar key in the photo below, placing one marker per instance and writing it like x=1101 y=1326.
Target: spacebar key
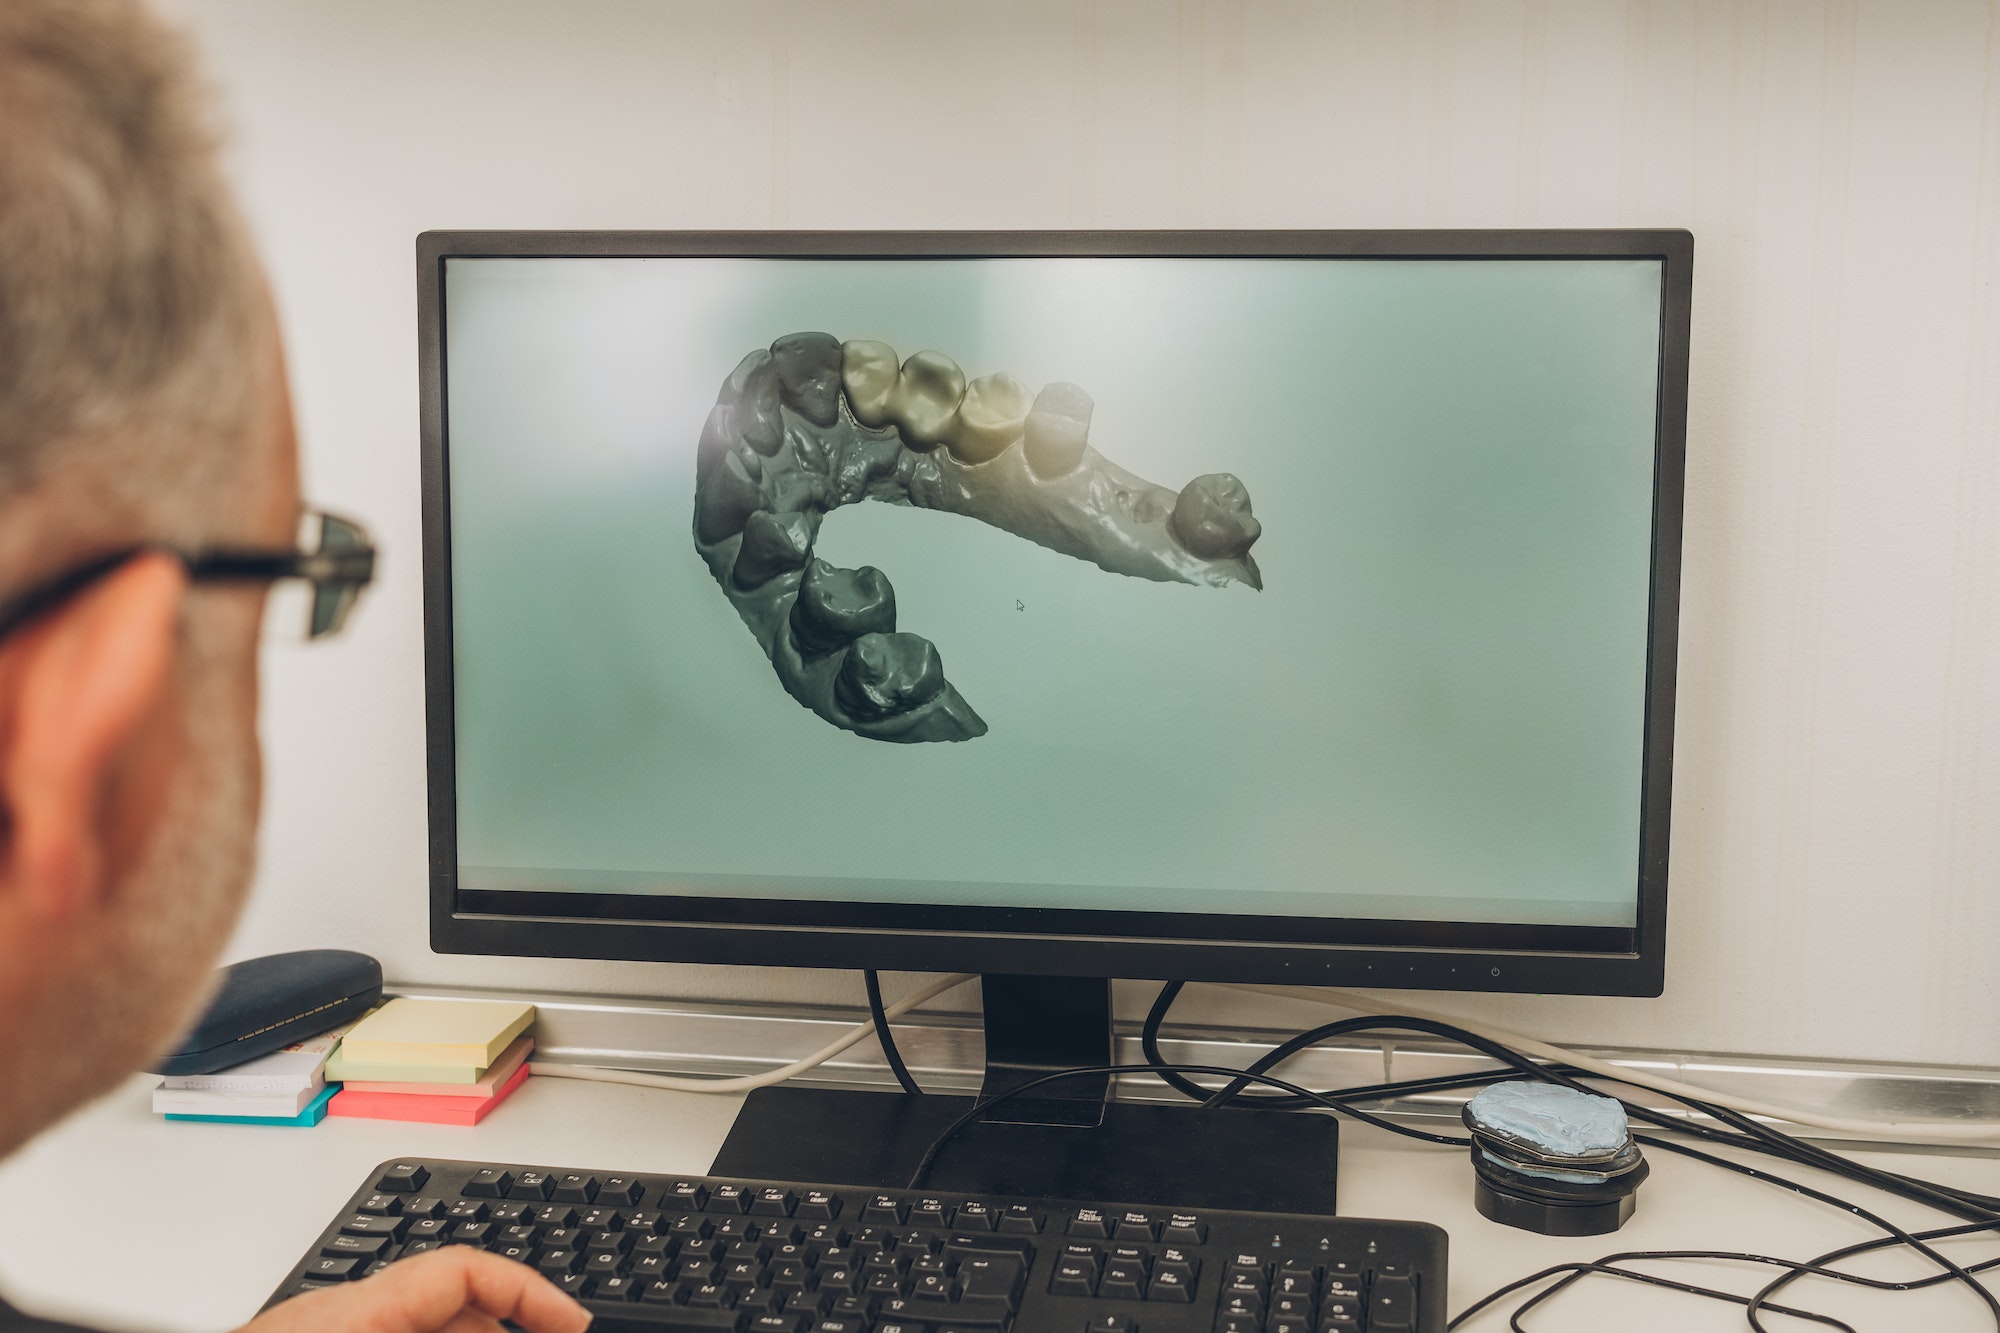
x=610 y=1317
x=967 y=1312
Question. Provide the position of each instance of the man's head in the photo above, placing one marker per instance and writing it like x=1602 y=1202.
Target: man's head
x=142 y=401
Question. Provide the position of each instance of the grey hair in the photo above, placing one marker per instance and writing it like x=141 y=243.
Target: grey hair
x=131 y=327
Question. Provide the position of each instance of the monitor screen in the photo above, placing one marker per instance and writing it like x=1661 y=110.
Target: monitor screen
x=1300 y=598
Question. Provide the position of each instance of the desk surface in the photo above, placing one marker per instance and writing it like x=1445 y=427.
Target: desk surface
x=123 y=1219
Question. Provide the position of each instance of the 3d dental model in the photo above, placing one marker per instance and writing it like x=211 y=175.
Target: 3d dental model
x=813 y=424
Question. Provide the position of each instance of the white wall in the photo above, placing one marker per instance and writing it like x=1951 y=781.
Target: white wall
x=1836 y=880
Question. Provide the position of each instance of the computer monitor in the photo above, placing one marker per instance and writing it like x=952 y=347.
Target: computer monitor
x=1291 y=607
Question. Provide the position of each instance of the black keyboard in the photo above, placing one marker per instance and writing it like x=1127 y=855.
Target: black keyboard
x=698 y=1255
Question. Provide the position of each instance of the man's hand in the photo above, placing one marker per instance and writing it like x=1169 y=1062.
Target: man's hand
x=453 y=1290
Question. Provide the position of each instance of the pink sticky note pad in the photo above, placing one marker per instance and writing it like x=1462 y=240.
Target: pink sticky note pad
x=425 y=1108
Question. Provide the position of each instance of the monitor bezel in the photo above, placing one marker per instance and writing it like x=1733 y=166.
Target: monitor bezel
x=1425 y=955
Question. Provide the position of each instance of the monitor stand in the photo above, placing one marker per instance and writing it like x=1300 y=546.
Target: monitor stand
x=1070 y=1139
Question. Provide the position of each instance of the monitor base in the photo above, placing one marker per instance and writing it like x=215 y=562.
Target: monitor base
x=1143 y=1152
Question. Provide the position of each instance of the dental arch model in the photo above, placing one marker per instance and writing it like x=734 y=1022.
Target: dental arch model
x=812 y=424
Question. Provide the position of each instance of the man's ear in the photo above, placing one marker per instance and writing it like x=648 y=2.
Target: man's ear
x=75 y=687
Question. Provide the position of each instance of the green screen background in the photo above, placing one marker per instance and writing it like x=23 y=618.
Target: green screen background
x=1434 y=710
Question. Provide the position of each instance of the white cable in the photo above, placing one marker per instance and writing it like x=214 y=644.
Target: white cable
x=749 y=1082
x=1918 y=1130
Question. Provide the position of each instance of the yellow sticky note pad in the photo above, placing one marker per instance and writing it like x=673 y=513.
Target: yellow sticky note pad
x=412 y=1031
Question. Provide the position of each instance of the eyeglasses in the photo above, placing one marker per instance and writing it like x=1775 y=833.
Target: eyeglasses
x=335 y=558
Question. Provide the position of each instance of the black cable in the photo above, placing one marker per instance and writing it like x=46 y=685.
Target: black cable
x=1870 y=1246
x=979 y=1108
x=1754 y=1136
x=1748 y=1134
x=872 y=981
x=1816 y=1267
x=1576 y=1272
x=1149 y=1044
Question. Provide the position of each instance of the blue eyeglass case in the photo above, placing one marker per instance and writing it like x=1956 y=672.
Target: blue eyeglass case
x=263 y=1004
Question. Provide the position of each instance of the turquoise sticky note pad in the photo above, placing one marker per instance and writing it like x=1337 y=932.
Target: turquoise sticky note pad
x=314 y=1113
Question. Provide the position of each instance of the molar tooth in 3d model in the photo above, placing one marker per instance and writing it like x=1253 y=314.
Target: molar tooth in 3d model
x=808 y=366
x=773 y=544
x=888 y=674
x=925 y=401
x=1211 y=518
x=990 y=418
x=868 y=373
x=1057 y=429
x=837 y=606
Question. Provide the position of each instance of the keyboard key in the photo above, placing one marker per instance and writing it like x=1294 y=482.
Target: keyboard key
x=403 y=1178
x=615 y=1288
x=727 y=1199
x=930 y=1213
x=491 y=1183
x=520 y=1254
x=990 y=1275
x=1074 y=1277
x=600 y=1219
x=885 y=1208
x=528 y=1187
x=818 y=1206
x=1185 y=1229
x=429 y=1229
x=362 y=1224
x=554 y=1215
x=1288 y=1324
x=1236 y=1323
x=773 y=1202
x=1021 y=1220
x=578 y=1285
x=1112 y=1323
x=329 y=1269
x=1242 y=1306
x=466 y=1210
x=620 y=1190
x=711 y=1296
x=354 y=1247
x=1122 y=1281
x=1171 y=1285
x=1089 y=1222
x=574 y=1187
x=559 y=1263
x=1135 y=1226
x=1392 y=1305
x=382 y=1205
x=685 y=1194
x=1334 y=1311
